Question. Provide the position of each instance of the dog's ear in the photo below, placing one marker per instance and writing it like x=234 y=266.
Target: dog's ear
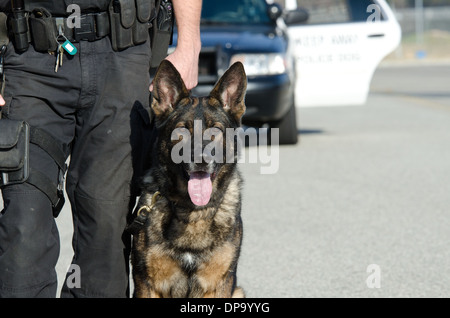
x=230 y=90
x=168 y=89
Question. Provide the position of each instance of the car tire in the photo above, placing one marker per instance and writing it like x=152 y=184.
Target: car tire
x=287 y=127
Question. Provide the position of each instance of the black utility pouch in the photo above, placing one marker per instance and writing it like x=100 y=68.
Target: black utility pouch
x=14 y=151
x=161 y=32
x=129 y=22
x=144 y=9
x=43 y=30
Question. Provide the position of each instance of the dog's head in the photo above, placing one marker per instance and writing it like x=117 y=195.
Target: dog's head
x=196 y=141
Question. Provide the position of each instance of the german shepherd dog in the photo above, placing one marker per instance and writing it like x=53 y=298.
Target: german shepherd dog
x=191 y=233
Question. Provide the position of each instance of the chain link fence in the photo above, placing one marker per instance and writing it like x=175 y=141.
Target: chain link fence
x=433 y=43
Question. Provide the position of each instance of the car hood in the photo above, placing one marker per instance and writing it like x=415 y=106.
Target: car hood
x=242 y=38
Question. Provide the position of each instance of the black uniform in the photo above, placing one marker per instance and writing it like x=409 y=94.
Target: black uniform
x=96 y=108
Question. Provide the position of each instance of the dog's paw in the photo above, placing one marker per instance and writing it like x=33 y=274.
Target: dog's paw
x=238 y=293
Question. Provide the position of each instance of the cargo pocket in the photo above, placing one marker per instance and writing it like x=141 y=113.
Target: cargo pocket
x=14 y=151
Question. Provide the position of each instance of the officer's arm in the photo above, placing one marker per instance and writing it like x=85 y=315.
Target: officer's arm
x=185 y=56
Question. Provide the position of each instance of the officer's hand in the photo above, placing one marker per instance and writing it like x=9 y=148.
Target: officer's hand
x=2 y=101
x=187 y=65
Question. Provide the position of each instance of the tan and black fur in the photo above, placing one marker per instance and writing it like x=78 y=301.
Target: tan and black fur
x=184 y=250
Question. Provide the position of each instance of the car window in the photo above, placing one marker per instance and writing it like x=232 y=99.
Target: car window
x=340 y=11
x=235 y=11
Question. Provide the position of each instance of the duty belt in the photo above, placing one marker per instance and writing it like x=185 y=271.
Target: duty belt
x=45 y=31
x=93 y=26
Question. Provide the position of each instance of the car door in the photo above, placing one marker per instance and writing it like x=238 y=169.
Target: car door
x=338 y=49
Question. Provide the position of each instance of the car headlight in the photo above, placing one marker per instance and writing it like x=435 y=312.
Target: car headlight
x=261 y=64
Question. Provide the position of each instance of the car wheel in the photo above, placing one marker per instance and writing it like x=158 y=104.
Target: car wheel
x=287 y=127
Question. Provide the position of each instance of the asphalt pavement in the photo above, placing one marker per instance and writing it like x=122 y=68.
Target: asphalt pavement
x=360 y=207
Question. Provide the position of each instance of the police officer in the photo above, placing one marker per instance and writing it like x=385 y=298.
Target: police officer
x=95 y=107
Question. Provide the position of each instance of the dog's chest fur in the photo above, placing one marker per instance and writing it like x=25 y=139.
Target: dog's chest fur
x=193 y=231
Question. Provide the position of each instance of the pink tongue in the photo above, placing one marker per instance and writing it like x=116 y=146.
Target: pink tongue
x=200 y=188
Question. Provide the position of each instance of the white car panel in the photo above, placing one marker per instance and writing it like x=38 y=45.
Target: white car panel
x=335 y=62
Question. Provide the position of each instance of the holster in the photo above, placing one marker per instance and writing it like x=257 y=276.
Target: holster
x=130 y=22
x=15 y=138
x=14 y=151
x=43 y=30
x=161 y=32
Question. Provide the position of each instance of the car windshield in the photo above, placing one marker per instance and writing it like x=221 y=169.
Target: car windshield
x=235 y=12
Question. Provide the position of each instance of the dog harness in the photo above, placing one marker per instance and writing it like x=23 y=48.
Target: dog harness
x=142 y=214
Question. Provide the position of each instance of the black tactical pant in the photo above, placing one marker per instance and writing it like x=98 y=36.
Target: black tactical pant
x=96 y=106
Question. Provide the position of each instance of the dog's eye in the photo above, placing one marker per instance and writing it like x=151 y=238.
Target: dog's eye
x=219 y=127
x=180 y=134
x=213 y=133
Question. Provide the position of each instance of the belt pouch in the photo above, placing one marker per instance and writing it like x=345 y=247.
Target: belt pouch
x=123 y=17
x=14 y=151
x=43 y=30
x=144 y=9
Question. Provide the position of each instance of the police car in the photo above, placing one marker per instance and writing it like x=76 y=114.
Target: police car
x=322 y=53
x=339 y=48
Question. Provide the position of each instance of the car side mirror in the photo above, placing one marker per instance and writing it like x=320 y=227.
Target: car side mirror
x=274 y=11
x=297 y=16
